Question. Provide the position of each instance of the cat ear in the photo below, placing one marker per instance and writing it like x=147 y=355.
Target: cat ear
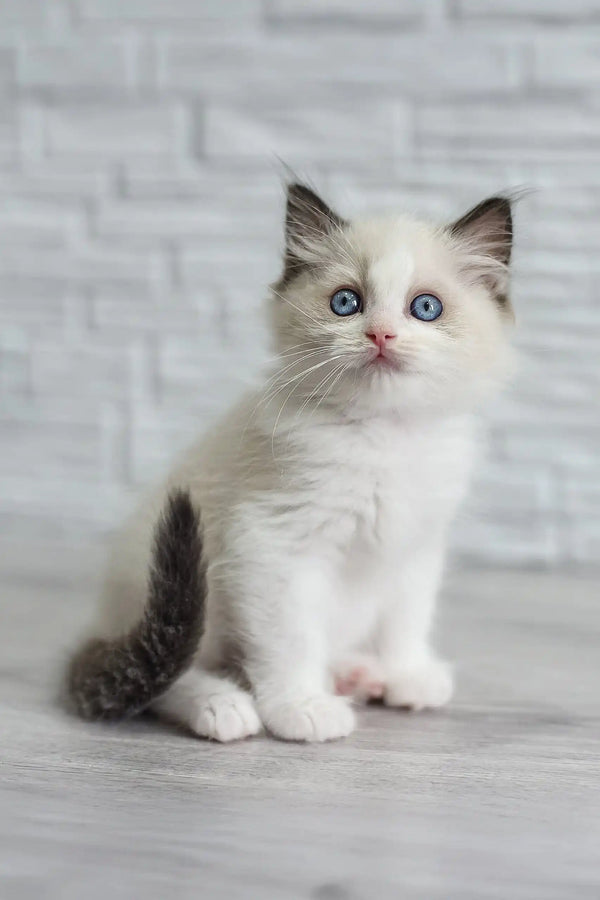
x=488 y=228
x=308 y=220
x=486 y=233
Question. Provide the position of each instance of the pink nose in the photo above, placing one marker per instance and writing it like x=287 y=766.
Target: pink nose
x=380 y=338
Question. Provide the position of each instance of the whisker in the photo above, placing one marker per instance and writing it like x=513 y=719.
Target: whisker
x=342 y=369
x=280 y=413
x=293 y=347
x=277 y=375
x=268 y=393
x=321 y=325
x=296 y=380
x=314 y=392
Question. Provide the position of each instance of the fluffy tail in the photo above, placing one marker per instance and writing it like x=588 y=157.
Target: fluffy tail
x=112 y=679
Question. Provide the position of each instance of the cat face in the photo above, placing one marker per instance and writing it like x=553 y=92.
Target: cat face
x=388 y=313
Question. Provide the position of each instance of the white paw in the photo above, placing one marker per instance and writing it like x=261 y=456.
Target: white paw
x=226 y=717
x=426 y=685
x=319 y=718
x=360 y=676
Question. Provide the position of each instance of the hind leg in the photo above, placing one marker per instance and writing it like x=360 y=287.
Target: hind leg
x=212 y=706
x=359 y=675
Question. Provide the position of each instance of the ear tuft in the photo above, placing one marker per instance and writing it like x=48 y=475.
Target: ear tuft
x=308 y=220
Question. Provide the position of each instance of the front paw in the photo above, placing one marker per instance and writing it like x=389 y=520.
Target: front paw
x=426 y=685
x=227 y=716
x=322 y=717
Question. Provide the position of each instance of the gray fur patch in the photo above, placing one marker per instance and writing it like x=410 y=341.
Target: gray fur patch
x=306 y=215
x=490 y=224
x=493 y=217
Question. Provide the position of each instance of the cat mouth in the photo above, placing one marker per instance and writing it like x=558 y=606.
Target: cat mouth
x=384 y=362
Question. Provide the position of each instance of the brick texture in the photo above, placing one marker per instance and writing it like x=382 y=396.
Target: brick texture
x=140 y=222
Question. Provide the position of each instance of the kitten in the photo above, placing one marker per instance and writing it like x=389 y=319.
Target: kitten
x=325 y=497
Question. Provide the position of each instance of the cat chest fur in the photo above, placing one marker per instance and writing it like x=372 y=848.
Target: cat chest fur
x=375 y=486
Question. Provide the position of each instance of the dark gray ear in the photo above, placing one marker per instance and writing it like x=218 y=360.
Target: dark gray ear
x=307 y=220
x=487 y=232
x=488 y=229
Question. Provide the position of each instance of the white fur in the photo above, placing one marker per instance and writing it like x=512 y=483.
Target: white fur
x=326 y=496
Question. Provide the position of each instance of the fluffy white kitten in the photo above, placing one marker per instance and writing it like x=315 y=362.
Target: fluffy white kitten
x=325 y=497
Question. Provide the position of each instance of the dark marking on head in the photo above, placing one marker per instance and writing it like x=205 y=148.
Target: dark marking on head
x=487 y=229
x=489 y=224
x=307 y=219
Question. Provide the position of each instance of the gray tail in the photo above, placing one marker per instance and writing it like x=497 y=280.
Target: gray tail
x=113 y=679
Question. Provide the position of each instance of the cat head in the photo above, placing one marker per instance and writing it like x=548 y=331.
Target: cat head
x=392 y=313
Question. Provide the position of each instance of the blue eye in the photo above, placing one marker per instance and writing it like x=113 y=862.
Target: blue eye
x=345 y=302
x=426 y=307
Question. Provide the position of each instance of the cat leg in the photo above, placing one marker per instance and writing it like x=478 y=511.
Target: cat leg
x=210 y=705
x=286 y=656
x=414 y=677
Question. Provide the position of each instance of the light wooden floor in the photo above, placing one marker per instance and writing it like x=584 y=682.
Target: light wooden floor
x=497 y=797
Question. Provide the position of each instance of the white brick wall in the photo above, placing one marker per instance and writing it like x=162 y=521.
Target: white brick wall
x=140 y=221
